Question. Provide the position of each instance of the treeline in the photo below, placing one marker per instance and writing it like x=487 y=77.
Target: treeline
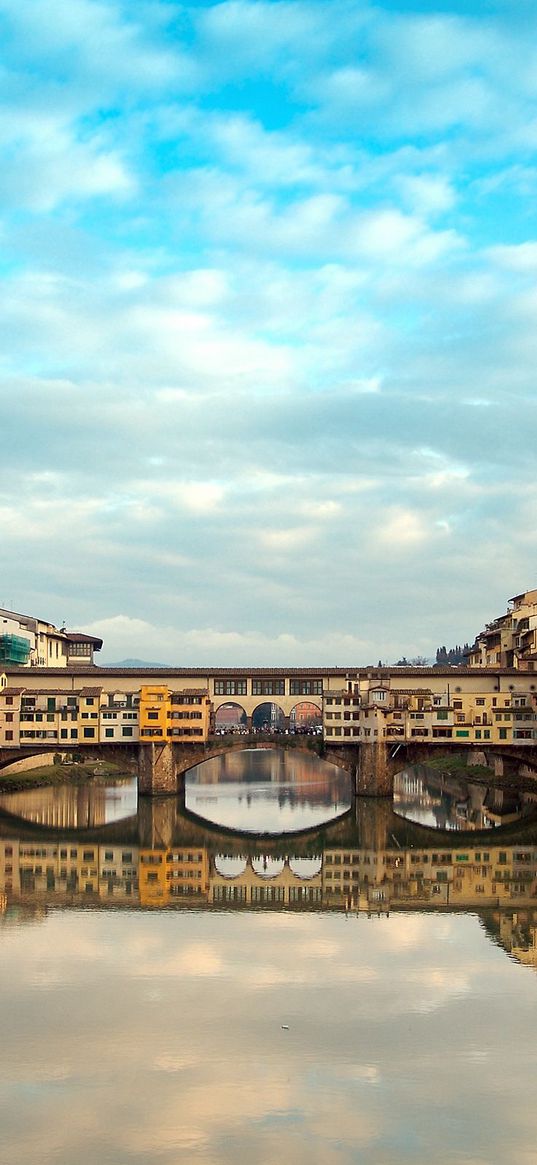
x=451 y=655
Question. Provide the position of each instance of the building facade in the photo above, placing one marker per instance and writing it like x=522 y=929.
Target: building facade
x=26 y=641
x=511 y=639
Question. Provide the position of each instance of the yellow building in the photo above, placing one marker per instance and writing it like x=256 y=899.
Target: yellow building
x=178 y=716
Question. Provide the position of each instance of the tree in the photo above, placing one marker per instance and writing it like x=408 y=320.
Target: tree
x=416 y=661
x=451 y=657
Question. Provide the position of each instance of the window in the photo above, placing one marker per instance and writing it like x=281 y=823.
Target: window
x=230 y=687
x=108 y=732
x=79 y=649
x=127 y=730
x=268 y=687
x=89 y=733
x=306 y=687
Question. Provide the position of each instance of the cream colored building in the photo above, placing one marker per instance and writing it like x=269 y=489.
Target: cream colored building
x=26 y=641
x=511 y=639
x=370 y=710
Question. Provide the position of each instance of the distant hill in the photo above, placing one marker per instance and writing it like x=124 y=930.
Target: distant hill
x=135 y=663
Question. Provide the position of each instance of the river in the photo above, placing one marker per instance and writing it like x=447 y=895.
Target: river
x=266 y=972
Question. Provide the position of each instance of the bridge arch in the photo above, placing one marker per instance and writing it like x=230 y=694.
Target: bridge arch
x=268 y=717
x=230 y=716
x=304 y=715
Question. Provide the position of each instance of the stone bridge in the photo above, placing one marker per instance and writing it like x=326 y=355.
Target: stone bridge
x=160 y=767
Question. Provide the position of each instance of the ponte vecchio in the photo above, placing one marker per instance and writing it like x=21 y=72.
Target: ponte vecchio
x=370 y=721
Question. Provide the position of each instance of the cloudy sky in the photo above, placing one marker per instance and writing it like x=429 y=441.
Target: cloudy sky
x=268 y=323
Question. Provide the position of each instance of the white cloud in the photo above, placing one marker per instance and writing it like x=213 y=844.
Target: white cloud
x=235 y=316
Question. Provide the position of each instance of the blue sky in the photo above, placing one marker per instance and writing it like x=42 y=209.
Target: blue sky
x=268 y=324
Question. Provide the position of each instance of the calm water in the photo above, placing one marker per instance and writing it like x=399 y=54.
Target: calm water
x=170 y=993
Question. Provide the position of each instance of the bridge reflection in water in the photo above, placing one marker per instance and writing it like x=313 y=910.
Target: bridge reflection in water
x=370 y=860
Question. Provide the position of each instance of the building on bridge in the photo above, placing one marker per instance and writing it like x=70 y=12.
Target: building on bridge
x=91 y=715
x=66 y=708
x=370 y=709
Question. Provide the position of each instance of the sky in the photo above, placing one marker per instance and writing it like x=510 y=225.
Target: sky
x=268 y=337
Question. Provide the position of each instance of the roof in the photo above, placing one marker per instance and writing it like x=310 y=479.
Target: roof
x=12 y=691
x=90 y=691
x=191 y=692
x=160 y=674
x=47 y=692
x=81 y=637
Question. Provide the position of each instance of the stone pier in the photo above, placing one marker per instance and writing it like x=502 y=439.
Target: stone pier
x=157 y=775
x=375 y=770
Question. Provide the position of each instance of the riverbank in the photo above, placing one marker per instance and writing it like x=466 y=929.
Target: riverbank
x=76 y=773
x=455 y=767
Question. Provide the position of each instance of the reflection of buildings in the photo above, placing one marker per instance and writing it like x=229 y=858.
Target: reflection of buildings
x=473 y=876
x=453 y=802
x=478 y=877
x=173 y=875
x=305 y=777
x=266 y=882
x=65 y=807
x=68 y=872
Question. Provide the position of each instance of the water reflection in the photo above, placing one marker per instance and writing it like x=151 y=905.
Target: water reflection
x=371 y=861
x=267 y=791
x=444 y=801
x=74 y=806
x=337 y=996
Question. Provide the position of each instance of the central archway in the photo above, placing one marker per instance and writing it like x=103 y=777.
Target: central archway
x=268 y=717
